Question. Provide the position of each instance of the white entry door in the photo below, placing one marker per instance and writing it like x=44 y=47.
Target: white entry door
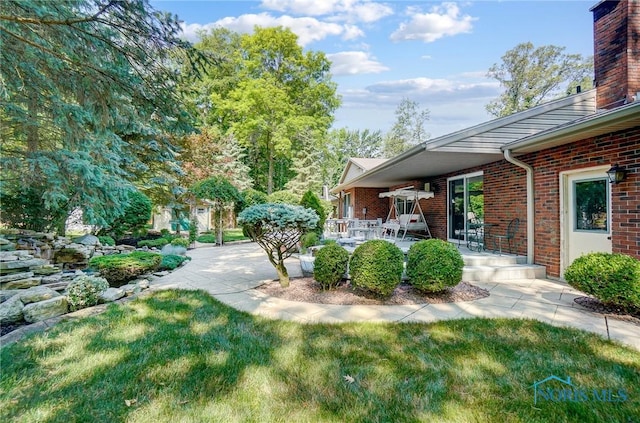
x=587 y=217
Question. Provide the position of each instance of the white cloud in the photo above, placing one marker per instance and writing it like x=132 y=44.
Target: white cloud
x=441 y=21
x=340 y=10
x=455 y=103
x=354 y=63
x=307 y=29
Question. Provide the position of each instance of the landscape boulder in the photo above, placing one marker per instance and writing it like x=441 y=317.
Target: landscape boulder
x=11 y=310
x=36 y=312
x=37 y=294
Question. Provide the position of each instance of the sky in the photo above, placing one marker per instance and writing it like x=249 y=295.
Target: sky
x=431 y=52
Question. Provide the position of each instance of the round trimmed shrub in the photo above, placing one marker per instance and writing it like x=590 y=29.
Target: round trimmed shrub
x=433 y=265
x=376 y=266
x=614 y=279
x=180 y=242
x=84 y=291
x=118 y=269
x=330 y=265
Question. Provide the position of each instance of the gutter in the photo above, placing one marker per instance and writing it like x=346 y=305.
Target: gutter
x=530 y=203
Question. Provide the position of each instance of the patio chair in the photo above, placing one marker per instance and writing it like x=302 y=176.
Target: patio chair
x=509 y=236
x=390 y=231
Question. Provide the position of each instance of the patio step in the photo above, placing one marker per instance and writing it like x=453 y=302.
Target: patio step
x=502 y=272
x=486 y=259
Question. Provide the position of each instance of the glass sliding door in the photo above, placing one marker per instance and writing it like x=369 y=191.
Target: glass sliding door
x=466 y=201
x=456 y=209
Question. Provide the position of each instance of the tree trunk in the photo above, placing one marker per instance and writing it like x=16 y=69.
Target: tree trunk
x=283 y=275
x=270 y=172
x=219 y=231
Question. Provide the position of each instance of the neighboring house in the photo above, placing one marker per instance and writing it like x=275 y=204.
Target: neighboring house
x=546 y=165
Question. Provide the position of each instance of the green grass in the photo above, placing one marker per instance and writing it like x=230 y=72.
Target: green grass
x=183 y=356
x=228 y=235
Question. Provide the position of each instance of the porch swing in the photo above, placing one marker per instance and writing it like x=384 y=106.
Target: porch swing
x=409 y=222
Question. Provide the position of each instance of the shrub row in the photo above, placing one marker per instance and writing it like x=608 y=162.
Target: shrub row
x=377 y=265
x=614 y=279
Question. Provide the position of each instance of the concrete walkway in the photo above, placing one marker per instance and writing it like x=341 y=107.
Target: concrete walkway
x=231 y=272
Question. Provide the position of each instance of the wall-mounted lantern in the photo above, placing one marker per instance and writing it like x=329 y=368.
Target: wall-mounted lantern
x=616 y=174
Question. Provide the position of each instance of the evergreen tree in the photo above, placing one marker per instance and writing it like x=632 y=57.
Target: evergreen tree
x=88 y=102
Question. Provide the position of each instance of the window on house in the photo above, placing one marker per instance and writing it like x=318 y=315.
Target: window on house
x=591 y=205
x=347 y=210
x=466 y=198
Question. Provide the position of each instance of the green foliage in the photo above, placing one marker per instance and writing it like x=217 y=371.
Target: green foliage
x=283 y=197
x=408 y=129
x=157 y=243
x=23 y=207
x=614 y=279
x=531 y=76
x=267 y=92
x=311 y=201
x=180 y=242
x=89 y=104
x=172 y=261
x=309 y=240
x=137 y=213
x=219 y=190
x=207 y=238
x=277 y=228
x=107 y=240
x=216 y=188
x=433 y=265
x=376 y=266
x=330 y=265
x=193 y=231
x=343 y=144
x=84 y=291
x=251 y=197
x=118 y=269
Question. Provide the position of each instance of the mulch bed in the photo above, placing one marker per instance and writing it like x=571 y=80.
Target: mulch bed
x=306 y=289
x=596 y=306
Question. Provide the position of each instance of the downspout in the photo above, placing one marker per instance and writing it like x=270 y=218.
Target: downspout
x=530 y=203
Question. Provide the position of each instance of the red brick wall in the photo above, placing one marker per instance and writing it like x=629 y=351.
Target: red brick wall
x=616 y=52
x=368 y=197
x=505 y=195
x=622 y=148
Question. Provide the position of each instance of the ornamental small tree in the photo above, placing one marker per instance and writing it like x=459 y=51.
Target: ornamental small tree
x=222 y=193
x=277 y=228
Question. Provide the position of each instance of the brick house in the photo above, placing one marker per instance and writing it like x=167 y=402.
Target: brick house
x=546 y=166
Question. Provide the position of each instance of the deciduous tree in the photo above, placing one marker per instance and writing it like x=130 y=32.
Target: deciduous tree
x=531 y=76
x=408 y=129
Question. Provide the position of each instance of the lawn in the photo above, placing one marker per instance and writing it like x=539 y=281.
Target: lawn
x=183 y=356
x=228 y=235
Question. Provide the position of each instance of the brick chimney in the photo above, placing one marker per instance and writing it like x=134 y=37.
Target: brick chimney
x=616 y=28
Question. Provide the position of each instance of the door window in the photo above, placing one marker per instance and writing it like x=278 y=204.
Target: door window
x=591 y=205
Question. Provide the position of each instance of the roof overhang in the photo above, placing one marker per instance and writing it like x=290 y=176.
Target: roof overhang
x=419 y=164
x=605 y=122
